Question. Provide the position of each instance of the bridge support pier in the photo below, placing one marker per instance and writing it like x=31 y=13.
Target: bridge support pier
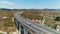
x=18 y=25
x=32 y=32
x=39 y=33
x=25 y=29
x=19 y=28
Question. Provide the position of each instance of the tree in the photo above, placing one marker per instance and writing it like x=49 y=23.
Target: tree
x=57 y=18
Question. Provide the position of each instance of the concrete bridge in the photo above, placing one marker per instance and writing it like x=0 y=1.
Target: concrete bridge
x=24 y=25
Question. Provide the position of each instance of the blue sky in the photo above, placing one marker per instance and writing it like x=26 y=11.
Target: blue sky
x=30 y=4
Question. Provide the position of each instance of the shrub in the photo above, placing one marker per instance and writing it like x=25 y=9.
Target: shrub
x=57 y=18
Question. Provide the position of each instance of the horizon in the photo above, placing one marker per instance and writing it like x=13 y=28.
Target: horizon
x=31 y=8
x=30 y=4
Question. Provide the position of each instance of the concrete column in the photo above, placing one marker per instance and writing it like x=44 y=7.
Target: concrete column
x=39 y=33
x=18 y=25
x=25 y=29
x=32 y=32
x=16 y=22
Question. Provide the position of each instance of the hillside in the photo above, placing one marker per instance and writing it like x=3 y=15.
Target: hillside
x=47 y=15
x=6 y=16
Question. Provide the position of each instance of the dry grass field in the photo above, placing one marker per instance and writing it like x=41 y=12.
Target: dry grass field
x=48 y=16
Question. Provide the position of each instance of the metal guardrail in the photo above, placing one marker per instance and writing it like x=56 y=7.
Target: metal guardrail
x=34 y=26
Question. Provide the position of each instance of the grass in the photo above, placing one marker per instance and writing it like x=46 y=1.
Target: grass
x=10 y=24
x=31 y=15
x=1 y=33
x=5 y=24
x=50 y=22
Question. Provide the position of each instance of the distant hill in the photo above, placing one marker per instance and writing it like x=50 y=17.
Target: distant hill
x=52 y=10
x=8 y=10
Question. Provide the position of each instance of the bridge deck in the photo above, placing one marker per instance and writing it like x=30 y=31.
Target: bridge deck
x=34 y=26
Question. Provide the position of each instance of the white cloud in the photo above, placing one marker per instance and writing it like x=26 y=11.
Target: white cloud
x=7 y=3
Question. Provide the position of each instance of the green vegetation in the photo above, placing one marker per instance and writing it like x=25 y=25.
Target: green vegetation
x=6 y=24
x=32 y=15
x=57 y=18
x=50 y=22
x=1 y=33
